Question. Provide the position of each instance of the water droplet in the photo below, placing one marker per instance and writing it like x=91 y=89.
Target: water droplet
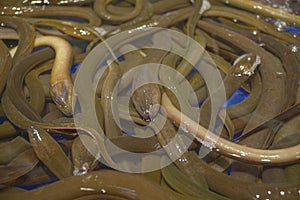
x=183 y=160
x=279 y=73
x=103 y=191
x=87 y=189
x=294 y=49
x=280 y=25
x=184 y=126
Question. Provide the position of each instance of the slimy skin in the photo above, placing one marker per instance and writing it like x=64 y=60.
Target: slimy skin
x=265 y=10
x=49 y=152
x=100 y=9
x=128 y=186
x=50 y=11
x=26 y=34
x=236 y=151
x=61 y=84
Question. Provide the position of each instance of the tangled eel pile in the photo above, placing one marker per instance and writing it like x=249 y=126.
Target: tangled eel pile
x=255 y=155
